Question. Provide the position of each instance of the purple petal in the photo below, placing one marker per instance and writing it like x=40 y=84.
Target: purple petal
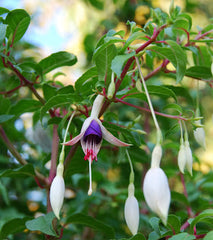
x=95 y=130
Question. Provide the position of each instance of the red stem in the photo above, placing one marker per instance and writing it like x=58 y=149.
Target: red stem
x=189 y=210
x=148 y=110
x=54 y=154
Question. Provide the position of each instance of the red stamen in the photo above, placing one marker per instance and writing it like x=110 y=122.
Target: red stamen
x=90 y=154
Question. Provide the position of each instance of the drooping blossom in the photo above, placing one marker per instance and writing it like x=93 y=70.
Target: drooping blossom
x=156 y=187
x=92 y=134
x=182 y=157
x=157 y=193
x=57 y=191
x=131 y=210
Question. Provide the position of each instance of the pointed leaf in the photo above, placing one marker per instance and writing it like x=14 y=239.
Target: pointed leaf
x=208 y=213
x=119 y=61
x=3 y=10
x=199 y=72
x=3 y=29
x=59 y=100
x=18 y=21
x=56 y=60
x=27 y=169
x=13 y=226
x=183 y=236
x=25 y=105
x=5 y=118
x=42 y=224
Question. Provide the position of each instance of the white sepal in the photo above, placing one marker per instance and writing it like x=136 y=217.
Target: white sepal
x=131 y=211
x=57 y=191
x=157 y=193
x=182 y=158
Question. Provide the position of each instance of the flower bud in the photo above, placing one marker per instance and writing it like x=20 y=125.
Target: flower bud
x=57 y=191
x=182 y=158
x=131 y=211
x=156 y=156
x=157 y=193
x=199 y=135
x=111 y=89
x=189 y=158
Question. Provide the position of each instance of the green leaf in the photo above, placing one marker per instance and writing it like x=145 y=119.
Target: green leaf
x=92 y=223
x=4 y=105
x=209 y=236
x=206 y=214
x=42 y=224
x=161 y=91
x=138 y=236
x=25 y=105
x=174 y=223
x=183 y=236
x=48 y=91
x=4 y=118
x=119 y=61
x=3 y=193
x=66 y=90
x=175 y=55
x=154 y=221
x=3 y=10
x=13 y=226
x=181 y=60
x=103 y=62
x=59 y=100
x=27 y=169
x=3 y=30
x=87 y=81
x=110 y=41
x=56 y=60
x=18 y=21
x=199 y=72
x=174 y=106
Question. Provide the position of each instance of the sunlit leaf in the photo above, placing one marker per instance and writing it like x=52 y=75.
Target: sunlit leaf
x=18 y=21
x=56 y=60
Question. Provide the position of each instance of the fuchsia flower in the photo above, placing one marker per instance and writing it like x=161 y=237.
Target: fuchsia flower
x=92 y=134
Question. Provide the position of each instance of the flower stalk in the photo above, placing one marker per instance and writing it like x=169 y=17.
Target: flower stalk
x=57 y=188
x=131 y=208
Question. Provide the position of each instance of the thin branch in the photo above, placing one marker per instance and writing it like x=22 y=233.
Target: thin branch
x=148 y=110
x=17 y=155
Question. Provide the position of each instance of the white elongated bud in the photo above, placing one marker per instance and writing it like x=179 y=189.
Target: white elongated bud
x=199 y=135
x=157 y=193
x=182 y=158
x=156 y=156
x=189 y=158
x=97 y=105
x=131 y=210
x=57 y=191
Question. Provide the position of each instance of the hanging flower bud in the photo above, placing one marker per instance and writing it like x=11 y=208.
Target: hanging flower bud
x=157 y=193
x=189 y=158
x=199 y=135
x=182 y=158
x=131 y=210
x=57 y=191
